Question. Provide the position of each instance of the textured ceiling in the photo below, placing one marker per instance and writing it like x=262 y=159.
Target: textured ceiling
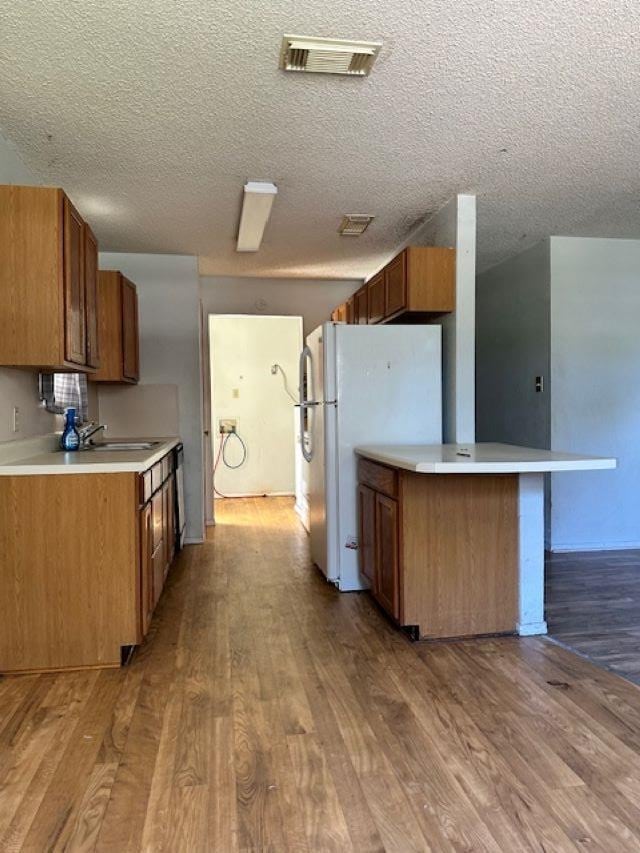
x=153 y=114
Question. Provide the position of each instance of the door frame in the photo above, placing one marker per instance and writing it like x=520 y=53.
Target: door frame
x=207 y=402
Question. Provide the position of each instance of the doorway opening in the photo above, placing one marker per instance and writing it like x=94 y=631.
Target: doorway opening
x=253 y=368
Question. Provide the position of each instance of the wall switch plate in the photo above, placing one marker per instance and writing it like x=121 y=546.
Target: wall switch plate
x=15 y=419
x=227 y=425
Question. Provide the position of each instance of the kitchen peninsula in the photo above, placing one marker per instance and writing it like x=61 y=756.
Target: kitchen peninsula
x=451 y=536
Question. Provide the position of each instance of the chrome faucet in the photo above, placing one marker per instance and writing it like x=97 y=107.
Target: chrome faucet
x=86 y=434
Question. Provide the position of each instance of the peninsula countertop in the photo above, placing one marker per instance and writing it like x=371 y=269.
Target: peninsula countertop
x=482 y=458
x=43 y=456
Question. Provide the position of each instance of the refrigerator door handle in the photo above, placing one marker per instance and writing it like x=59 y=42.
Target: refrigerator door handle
x=305 y=359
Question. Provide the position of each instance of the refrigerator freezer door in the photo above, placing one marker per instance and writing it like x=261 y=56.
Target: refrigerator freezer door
x=389 y=391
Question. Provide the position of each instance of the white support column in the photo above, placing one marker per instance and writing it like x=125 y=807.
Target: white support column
x=531 y=554
x=455 y=225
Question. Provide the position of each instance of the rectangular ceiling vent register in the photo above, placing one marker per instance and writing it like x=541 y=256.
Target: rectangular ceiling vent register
x=328 y=56
x=354 y=224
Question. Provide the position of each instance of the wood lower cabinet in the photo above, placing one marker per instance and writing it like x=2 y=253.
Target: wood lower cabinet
x=118 y=329
x=367 y=534
x=48 y=266
x=387 y=537
x=84 y=559
x=147 y=600
x=440 y=551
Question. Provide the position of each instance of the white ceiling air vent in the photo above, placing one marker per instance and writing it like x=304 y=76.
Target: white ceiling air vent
x=328 y=56
x=354 y=224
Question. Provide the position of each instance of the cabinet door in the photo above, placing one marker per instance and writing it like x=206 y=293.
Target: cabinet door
x=361 y=307
x=146 y=569
x=395 y=284
x=366 y=538
x=387 y=558
x=375 y=297
x=74 y=289
x=169 y=523
x=130 y=365
x=91 y=296
x=349 y=316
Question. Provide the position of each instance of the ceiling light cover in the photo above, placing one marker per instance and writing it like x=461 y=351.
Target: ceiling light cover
x=256 y=208
x=328 y=56
x=354 y=224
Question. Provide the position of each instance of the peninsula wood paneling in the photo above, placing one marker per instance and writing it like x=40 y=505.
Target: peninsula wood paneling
x=460 y=553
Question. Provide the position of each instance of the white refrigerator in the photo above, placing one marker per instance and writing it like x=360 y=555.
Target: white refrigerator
x=360 y=385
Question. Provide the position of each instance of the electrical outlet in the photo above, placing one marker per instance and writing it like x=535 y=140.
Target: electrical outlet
x=227 y=425
x=15 y=420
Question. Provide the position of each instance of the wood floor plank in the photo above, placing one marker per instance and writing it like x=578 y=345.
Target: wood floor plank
x=268 y=712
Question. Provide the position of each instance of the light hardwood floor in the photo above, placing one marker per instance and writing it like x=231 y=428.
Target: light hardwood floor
x=593 y=606
x=267 y=712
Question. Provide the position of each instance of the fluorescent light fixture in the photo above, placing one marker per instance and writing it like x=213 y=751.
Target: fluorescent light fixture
x=256 y=207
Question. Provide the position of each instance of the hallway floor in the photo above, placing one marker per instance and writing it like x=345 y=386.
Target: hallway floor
x=593 y=606
x=267 y=712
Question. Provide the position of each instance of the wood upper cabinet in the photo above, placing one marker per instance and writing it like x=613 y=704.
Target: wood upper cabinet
x=91 y=297
x=118 y=329
x=349 y=304
x=387 y=535
x=361 y=307
x=375 y=298
x=130 y=345
x=47 y=256
x=395 y=285
x=75 y=322
x=340 y=314
x=416 y=284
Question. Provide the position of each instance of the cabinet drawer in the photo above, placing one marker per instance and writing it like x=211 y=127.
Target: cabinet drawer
x=156 y=476
x=378 y=477
x=145 y=486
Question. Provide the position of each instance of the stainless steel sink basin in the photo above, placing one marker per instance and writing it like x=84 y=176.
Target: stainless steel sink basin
x=124 y=445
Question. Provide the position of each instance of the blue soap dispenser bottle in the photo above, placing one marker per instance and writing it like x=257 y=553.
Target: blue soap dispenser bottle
x=70 y=439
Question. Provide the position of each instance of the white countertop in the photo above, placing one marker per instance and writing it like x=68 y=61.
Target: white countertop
x=43 y=456
x=479 y=458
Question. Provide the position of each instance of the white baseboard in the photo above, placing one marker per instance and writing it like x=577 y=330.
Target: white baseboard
x=531 y=629
x=257 y=495
x=193 y=541
x=567 y=548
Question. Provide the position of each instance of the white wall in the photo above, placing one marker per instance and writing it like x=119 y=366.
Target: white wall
x=311 y=299
x=455 y=226
x=19 y=387
x=243 y=387
x=169 y=355
x=595 y=402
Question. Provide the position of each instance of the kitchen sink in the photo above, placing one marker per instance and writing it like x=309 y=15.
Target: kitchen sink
x=124 y=445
